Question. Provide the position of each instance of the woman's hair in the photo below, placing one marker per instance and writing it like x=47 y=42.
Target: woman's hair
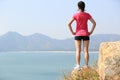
x=81 y=5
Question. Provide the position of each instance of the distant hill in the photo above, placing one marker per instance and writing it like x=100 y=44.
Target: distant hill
x=13 y=41
x=98 y=38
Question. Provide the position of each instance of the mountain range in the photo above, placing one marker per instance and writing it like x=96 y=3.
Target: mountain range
x=13 y=41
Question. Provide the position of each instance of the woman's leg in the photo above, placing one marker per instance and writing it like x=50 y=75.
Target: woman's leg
x=78 y=51
x=86 y=54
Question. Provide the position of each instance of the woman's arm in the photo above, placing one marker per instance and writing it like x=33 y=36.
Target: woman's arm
x=93 y=26
x=70 y=27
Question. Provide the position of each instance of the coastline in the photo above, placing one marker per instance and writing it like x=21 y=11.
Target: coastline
x=67 y=52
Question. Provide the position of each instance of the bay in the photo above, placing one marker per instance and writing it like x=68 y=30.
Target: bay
x=41 y=65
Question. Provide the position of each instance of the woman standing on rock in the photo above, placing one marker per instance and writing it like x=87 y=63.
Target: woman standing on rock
x=82 y=34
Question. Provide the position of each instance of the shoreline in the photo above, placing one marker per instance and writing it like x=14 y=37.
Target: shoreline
x=45 y=51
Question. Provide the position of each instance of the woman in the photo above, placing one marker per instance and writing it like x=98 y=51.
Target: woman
x=82 y=34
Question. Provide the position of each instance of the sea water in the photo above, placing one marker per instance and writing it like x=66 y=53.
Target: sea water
x=43 y=65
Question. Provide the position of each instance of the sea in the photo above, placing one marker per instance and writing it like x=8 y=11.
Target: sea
x=39 y=65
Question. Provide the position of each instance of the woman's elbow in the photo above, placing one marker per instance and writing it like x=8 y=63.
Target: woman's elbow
x=94 y=24
x=69 y=24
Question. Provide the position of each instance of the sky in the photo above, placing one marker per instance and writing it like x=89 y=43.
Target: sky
x=50 y=17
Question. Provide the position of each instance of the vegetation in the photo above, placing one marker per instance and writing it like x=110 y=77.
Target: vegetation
x=84 y=74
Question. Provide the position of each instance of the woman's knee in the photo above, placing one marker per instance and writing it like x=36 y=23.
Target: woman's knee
x=85 y=50
x=78 y=49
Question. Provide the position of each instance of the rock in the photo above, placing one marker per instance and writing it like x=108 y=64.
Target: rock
x=109 y=61
x=83 y=74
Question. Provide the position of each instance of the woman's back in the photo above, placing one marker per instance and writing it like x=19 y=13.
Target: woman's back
x=81 y=19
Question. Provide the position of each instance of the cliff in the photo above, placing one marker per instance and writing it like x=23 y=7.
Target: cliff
x=109 y=61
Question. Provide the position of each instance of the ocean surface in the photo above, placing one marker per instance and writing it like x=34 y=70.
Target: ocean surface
x=44 y=65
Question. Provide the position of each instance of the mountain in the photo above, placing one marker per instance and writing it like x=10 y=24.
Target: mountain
x=98 y=38
x=13 y=41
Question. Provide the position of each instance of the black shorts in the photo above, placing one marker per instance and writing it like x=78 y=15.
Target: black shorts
x=84 y=38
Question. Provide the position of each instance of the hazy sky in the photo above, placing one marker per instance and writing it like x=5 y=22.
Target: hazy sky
x=50 y=17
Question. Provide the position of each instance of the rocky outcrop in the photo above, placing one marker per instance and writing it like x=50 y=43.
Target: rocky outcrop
x=83 y=74
x=109 y=61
